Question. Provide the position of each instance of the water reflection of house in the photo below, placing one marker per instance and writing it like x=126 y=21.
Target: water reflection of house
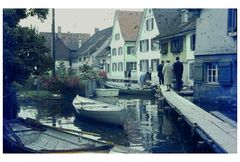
x=216 y=56
x=167 y=128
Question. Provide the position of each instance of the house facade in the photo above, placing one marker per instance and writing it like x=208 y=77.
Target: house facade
x=66 y=44
x=215 y=71
x=147 y=50
x=122 y=44
x=177 y=38
x=89 y=51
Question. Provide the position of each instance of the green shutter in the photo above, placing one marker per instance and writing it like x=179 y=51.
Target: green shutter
x=140 y=65
x=198 y=72
x=225 y=73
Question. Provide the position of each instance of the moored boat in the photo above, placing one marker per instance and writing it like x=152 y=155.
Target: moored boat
x=131 y=90
x=111 y=92
x=100 y=111
x=30 y=136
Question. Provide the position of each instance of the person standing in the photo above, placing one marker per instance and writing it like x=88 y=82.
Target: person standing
x=129 y=76
x=160 y=74
x=143 y=79
x=178 y=71
x=167 y=74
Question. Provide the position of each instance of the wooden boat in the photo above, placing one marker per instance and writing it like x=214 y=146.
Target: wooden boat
x=132 y=90
x=30 y=136
x=111 y=92
x=100 y=111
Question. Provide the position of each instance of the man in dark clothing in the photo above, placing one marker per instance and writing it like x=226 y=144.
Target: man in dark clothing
x=129 y=76
x=160 y=74
x=178 y=71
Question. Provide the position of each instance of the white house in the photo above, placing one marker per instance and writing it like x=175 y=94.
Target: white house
x=88 y=52
x=147 y=49
x=124 y=35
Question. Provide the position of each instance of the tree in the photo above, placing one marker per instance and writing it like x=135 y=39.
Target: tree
x=24 y=53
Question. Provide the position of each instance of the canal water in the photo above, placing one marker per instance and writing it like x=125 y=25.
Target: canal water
x=149 y=126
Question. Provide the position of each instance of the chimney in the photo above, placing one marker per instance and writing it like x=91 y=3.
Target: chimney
x=184 y=15
x=79 y=43
x=96 y=30
x=59 y=31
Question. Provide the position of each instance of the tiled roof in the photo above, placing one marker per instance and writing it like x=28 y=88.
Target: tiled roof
x=94 y=42
x=170 y=23
x=71 y=40
x=129 y=22
x=104 y=52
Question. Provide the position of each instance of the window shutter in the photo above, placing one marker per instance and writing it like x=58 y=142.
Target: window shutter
x=152 y=23
x=225 y=73
x=140 y=46
x=193 y=37
x=152 y=64
x=147 y=65
x=147 y=44
x=232 y=20
x=140 y=65
x=147 y=25
x=198 y=72
x=180 y=44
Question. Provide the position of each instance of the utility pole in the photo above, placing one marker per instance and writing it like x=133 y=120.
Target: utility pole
x=53 y=41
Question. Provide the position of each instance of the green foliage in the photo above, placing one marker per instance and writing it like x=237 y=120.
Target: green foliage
x=61 y=69
x=87 y=72
x=24 y=52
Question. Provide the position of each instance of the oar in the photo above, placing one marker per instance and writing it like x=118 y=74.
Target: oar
x=76 y=131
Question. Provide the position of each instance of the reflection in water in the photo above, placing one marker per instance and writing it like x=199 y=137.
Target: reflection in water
x=147 y=126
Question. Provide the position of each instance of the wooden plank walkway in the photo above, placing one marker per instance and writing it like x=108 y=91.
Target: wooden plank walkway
x=219 y=133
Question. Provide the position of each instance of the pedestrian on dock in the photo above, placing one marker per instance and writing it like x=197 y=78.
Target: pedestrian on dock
x=178 y=71
x=143 y=79
x=167 y=74
x=160 y=74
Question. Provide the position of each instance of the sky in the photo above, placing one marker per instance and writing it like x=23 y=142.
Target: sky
x=75 y=20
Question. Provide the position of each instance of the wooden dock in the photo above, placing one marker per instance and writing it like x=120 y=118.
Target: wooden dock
x=220 y=135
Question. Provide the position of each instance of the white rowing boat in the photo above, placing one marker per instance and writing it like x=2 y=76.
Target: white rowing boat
x=100 y=111
x=111 y=92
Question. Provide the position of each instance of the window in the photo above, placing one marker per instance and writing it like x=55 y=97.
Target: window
x=177 y=45
x=133 y=65
x=232 y=20
x=84 y=58
x=154 y=64
x=119 y=50
x=107 y=67
x=154 y=45
x=117 y=36
x=192 y=42
x=114 y=51
x=164 y=48
x=130 y=50
x=80 y=59
x=149 y=24
x=144 y=45
x=212 y=72
x=114 y=66
x=144 y=64
x=191 y=70
x=120 y=66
